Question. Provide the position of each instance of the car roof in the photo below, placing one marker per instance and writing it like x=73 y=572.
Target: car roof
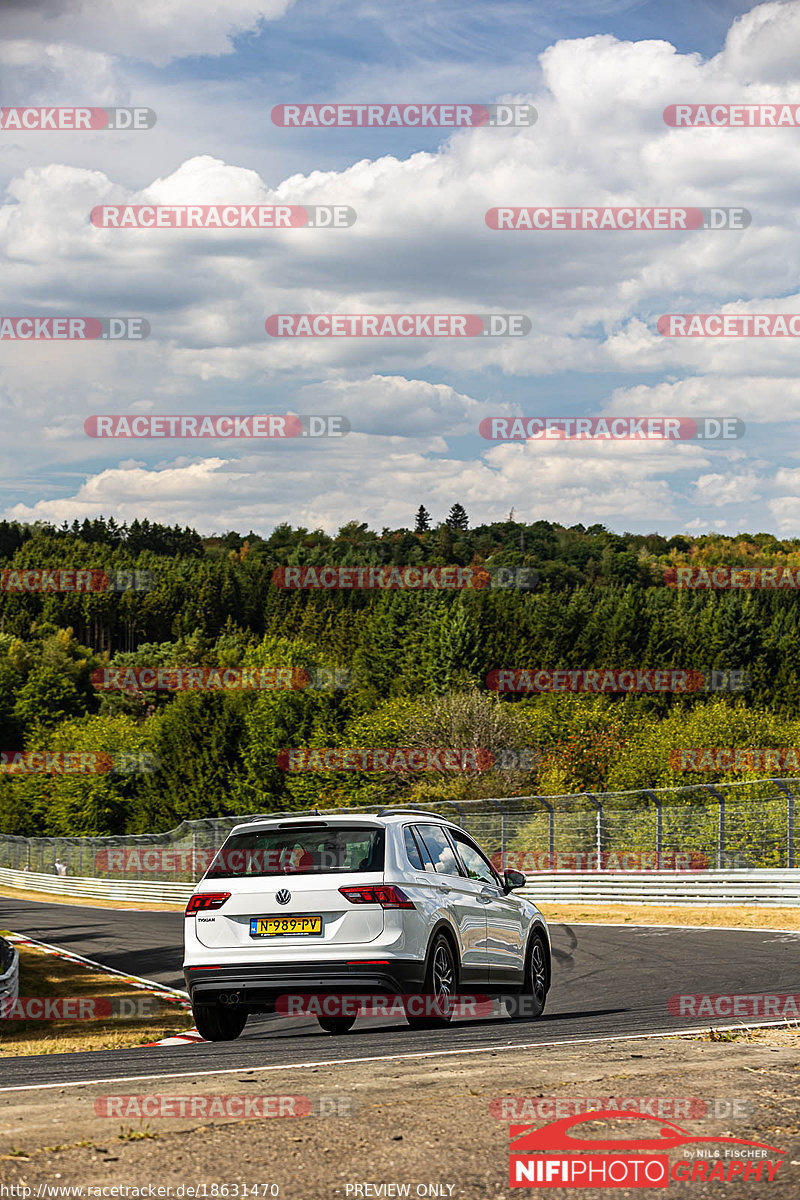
x=349 y=818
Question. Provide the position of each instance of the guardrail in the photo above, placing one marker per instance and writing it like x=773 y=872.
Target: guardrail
x=767 y=887
x=9 y=973
x=134 y=890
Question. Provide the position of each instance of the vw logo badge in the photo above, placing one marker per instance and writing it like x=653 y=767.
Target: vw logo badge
x=283 y=896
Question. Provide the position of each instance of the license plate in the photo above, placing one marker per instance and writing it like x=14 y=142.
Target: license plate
x=285 y=926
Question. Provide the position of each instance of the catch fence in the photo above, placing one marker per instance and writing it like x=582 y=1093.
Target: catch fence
x=716 y=827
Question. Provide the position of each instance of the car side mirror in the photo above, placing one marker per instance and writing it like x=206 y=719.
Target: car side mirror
x=513 y=879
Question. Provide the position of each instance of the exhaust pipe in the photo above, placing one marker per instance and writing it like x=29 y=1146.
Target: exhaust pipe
x=230 y=998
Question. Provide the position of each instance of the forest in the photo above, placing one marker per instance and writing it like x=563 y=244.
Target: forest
x=379 y=667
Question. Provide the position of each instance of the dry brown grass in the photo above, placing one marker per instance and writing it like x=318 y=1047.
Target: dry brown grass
x=44 y=975
x=739 y=916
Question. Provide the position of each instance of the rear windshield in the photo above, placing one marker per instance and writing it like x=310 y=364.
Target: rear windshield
x=299 y=852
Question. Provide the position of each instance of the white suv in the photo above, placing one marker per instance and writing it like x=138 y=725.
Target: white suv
x=402 y=902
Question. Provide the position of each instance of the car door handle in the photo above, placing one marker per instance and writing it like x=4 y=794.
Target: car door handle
x=487 y=894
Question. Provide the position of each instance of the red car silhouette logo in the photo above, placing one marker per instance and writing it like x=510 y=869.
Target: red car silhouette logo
x=557 y=1136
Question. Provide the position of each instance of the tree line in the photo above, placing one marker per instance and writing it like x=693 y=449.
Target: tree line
x=415 y=662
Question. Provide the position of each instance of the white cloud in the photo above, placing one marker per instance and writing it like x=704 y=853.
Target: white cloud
x=382 y=480
x=407 y=407
x=752 y=398
x=153 y=30
x=420 y=244
x=764 y=44
x=786 y=513
x=720 y=490
x=41 y=69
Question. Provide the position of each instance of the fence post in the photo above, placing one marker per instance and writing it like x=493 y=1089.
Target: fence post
x=721 y=825
x=789 y=794
x=789 y=827
x=498 y=805
x=656 y=799
x=551 y=820
x=551 y=825
x=598 y=827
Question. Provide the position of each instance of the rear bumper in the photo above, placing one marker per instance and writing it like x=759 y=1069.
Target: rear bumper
x=259 y=985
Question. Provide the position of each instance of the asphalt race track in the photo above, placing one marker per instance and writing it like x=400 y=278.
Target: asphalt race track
x=142 y=943
x=608 y=981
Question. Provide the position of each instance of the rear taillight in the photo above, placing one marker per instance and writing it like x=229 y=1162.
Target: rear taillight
x=204 y=900
x=385 y=894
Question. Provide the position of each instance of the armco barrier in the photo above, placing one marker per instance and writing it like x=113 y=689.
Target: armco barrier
x=9 y=971
x=769 y=887
x=133 y=890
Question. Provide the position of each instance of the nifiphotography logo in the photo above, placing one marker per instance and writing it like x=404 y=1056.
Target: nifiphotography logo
x=551 y=1156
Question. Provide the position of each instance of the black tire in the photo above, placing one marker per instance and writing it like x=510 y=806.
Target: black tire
x=218 y=1023
x=337 y=1024
x=529 y=1004
x=441 y=981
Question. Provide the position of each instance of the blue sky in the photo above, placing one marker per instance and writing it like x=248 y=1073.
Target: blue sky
x=599 y=74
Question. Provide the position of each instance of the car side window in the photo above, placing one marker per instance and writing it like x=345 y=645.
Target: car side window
x=434 y=840
x=424 y=853
x=412 y=849
x=477 y=866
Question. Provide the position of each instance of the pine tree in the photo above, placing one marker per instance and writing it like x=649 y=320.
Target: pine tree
x=457 y=518
x=451 y=652
x=445 y=548
x=423 y=520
